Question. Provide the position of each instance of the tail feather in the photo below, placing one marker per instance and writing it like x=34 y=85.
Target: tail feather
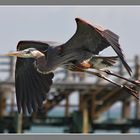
x=110 y=60
x=100 y=62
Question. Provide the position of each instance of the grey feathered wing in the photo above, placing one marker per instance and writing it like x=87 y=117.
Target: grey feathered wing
x=95 y=39
x=31 y=86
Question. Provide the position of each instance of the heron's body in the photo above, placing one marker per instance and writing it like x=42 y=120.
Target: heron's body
x=37 y=60
x=46 y=63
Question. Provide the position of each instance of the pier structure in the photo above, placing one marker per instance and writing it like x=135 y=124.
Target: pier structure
x=95 y=96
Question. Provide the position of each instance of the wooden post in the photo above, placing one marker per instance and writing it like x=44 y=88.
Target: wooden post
x=93 y=109
x=12 y=103
x=136 y=76
x=11 y=70
x=126 y=113
x=93 y=106
x=2 y=103
x=85 y=117
x=2 y=108
x=126 y=109
x=67 y=106
x=19 y=123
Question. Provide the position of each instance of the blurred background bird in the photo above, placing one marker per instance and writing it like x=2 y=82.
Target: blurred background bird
x=36 y=62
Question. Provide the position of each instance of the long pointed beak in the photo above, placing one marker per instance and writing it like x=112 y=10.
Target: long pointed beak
x=17 y=54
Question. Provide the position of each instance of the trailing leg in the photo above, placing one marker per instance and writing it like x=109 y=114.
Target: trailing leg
x=130 y=90
x=135 y=82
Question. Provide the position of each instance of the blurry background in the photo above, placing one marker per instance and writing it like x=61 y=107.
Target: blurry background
x=77 y=103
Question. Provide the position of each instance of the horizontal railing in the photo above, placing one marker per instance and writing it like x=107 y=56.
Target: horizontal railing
x=7 y=68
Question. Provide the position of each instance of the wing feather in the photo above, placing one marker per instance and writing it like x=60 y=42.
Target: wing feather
x=95 y=39
x=31 y=86
x=113 y=40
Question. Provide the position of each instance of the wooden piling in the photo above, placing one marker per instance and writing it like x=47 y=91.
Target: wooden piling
x=93 y=106
x=19 y=123
x=2 y=103
x=12 y=103
x=126 y=113
x=12 y=68
x=126 y=109
x=136 y=76
x=85 y=118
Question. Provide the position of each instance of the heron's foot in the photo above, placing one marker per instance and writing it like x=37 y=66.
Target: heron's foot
x=131 y=91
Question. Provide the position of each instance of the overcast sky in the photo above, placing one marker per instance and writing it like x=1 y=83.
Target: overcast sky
x=57 y=23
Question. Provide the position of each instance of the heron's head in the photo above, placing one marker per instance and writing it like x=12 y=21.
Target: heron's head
x=27 y=53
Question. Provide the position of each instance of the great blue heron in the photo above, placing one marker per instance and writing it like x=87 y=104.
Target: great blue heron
x=36 y=62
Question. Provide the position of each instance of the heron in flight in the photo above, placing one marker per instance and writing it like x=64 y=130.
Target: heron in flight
x=36 y=62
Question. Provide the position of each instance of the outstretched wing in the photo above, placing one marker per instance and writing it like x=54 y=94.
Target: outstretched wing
x=31 y=86
x=95 y=39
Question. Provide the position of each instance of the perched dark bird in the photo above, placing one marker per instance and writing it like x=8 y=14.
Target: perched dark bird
x=36 y=62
